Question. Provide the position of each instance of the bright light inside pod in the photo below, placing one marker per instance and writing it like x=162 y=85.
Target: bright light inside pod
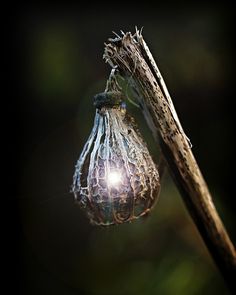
x=114 y=178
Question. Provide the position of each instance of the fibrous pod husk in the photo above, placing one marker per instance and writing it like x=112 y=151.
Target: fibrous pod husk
x=115 y=179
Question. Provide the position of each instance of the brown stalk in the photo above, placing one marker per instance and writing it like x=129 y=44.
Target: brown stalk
x=131 y=56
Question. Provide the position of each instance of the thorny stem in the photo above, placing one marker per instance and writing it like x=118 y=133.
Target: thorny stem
x=131 y=56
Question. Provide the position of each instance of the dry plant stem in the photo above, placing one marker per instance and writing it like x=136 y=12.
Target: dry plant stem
x=133 y=59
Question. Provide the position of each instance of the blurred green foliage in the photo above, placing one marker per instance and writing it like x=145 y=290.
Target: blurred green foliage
x=163 y=253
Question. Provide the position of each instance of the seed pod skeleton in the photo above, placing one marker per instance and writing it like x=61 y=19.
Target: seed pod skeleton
x=115 y=179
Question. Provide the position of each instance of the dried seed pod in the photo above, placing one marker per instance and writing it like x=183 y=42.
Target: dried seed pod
x=115 y=178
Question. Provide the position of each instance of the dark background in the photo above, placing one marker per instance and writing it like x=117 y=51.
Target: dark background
x=56 y=67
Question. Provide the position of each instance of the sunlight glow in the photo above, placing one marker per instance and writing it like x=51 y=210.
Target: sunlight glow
x=114 y=178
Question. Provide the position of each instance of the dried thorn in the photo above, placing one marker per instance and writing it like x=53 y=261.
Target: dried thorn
x=141 y=31
x=123 y=34
x=189 y=141
x=113 y=40
x=116 y=34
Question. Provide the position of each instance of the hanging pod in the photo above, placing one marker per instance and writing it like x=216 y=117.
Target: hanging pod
x=115 y=179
